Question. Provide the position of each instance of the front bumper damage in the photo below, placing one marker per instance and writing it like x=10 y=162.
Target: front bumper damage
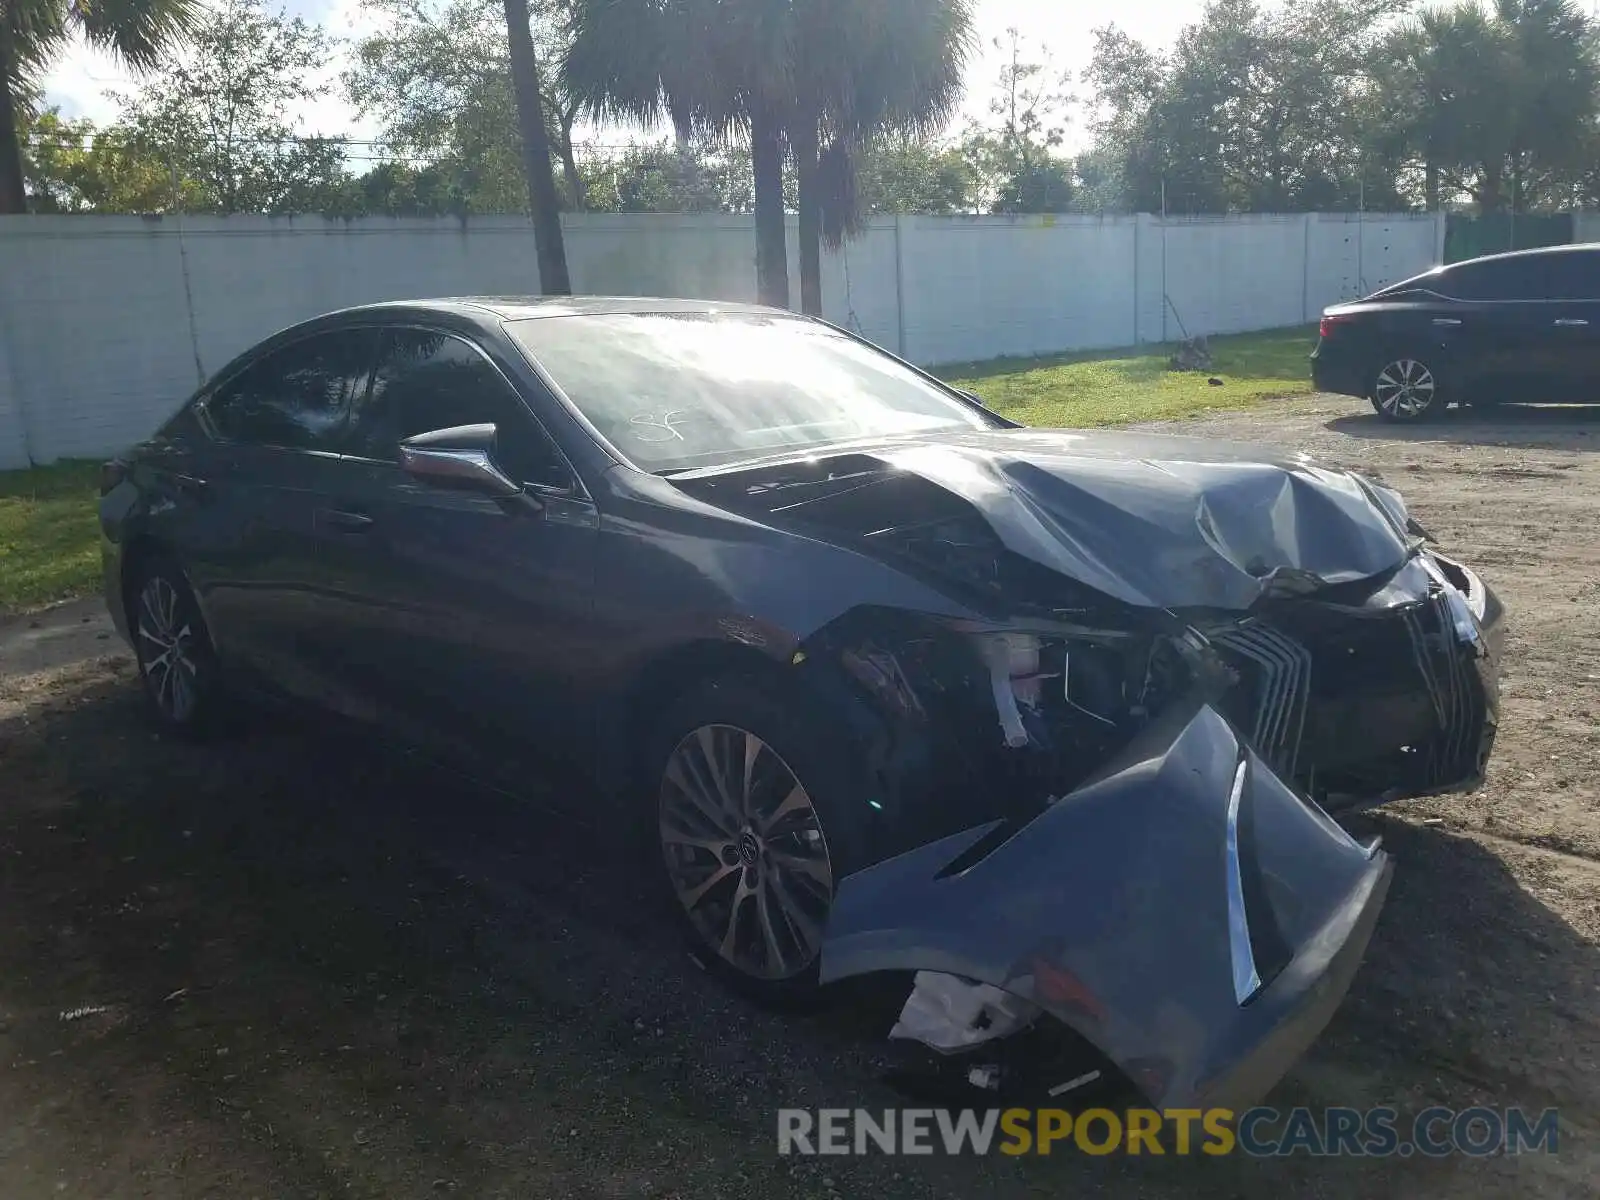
x=1103 y=789
x=1153 y=863
x=1358 y=702
x=1185 y=912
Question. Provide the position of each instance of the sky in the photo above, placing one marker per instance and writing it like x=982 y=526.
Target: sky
x=80 y=79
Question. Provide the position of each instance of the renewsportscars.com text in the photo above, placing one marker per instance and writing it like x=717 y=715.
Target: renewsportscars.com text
x=1258 y=1132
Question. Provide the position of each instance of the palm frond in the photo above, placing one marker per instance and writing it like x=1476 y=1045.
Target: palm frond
x=139 y=33
x=839 y=194
x=38 y=32
x=649 y=61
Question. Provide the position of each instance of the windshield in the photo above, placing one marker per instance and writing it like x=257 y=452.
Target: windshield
x=678 y=390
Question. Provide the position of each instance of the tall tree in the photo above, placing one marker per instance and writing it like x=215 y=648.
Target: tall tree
x=700 y=64
x=223 y=114
x=1017 y=156
x=437 y=75
x=822 y=75
x=33 y=32
x=713 y=67
x=1253 y=109
x=548 y=241
x=1497 y=106
x=856 y=69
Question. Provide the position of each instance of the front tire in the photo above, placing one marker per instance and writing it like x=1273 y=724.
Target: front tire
x=756 y=819
x=1406 y=388
x=177 y=663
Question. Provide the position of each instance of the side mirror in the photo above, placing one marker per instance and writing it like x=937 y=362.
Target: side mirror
x=461 y=457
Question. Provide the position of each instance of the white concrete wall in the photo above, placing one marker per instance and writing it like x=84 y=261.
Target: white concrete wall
x=982 y=287
x=107 y=323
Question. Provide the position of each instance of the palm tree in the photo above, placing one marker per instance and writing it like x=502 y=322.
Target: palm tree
x=549 y=245
x=708 y=66
x=860 y=68
x=32 y=32
x=810 y=74
x=1446 y=82
x=1494 y=103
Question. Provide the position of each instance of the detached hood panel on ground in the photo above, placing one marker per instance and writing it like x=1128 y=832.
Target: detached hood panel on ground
x=1150 y=520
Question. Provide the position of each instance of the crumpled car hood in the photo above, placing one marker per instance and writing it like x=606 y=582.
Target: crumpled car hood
x=1147 y=519
x=1164 y=521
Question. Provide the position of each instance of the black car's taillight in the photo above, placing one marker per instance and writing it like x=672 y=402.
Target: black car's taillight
x=1325 y=328
x=111 y=474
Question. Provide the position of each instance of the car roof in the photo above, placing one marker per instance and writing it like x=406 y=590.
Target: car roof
x=518 y=308
x=1530 y=252
x=1433 y=273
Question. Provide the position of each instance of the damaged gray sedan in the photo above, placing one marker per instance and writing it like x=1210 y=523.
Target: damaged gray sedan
x=1049 y=721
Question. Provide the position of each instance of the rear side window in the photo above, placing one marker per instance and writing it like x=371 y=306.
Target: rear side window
x=1563 y=275
x=1418 y=286
x=297 y=397
x=425 y=380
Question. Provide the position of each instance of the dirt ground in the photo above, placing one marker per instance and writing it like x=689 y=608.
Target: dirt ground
x=290 y=966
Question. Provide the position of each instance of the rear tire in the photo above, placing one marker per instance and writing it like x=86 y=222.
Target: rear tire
x=757 y=811
x=1406 y=388
x=177 y=663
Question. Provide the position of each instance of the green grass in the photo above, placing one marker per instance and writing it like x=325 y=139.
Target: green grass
x=49 y=536
x=1114 y=387
x=49 y=541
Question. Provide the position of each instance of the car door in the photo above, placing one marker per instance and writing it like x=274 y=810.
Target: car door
x=1508 y=328
x=462 y=617
x=1572 y=287
x=277 y=427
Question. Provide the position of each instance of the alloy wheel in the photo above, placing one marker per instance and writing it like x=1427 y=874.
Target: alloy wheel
x=1404 y=389
x=168 y=650
x=745 y=852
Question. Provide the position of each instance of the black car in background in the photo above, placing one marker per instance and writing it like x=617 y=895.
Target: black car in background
x=1516 y=327
x=886 y=682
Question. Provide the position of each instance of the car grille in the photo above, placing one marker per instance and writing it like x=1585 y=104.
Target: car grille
x=1362 y=704
x=1279 y=676
x=1452 y=687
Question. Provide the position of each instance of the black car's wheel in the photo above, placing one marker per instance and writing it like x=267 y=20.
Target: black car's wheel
x=1405 y=388
x=177 y=664
x=755 y=822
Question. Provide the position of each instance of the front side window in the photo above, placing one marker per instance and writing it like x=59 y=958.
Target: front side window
x=426 y=380
x=678 y=390
x=1573 y=275
x=1522 y=278
x=297 y=397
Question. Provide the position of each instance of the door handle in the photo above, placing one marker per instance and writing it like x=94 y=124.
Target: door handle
x=1570 y=321
x=1447 y=320
x=343 y=522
